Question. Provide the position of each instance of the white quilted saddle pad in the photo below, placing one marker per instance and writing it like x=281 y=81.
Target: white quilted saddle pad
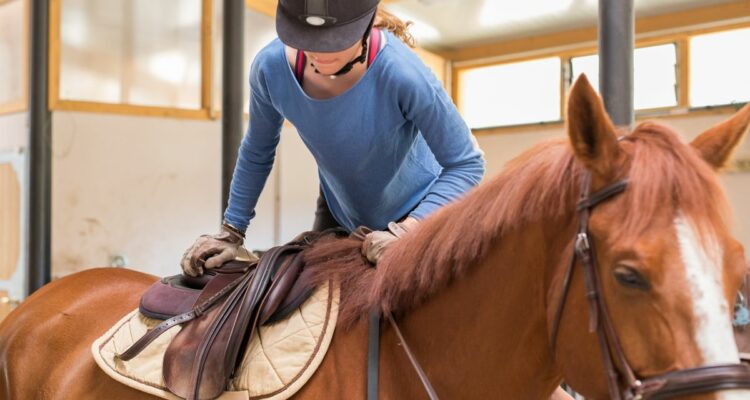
x=278 y=361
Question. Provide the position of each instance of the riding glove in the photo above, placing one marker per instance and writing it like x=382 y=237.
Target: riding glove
x=211 y=251
x=376 y=242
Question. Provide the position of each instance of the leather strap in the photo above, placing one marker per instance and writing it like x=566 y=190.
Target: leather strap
x=422 y=376
x=617 y=369
x=373 y=354
x=602 y=195
x=696 y=381
x=196 y=312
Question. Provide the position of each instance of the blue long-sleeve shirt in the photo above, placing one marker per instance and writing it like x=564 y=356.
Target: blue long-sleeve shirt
x=393 y=144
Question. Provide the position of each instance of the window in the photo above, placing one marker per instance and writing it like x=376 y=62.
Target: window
x=511 y=94
x=12 y=53
x=127 y=52
x=720 y=68
x=654 y=75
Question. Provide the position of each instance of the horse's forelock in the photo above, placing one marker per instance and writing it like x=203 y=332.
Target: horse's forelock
x=668 y=176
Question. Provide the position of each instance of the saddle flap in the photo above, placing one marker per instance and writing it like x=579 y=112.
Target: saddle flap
x=299 y=292
x=282 y=284
x=198 y=346
x=202 y=356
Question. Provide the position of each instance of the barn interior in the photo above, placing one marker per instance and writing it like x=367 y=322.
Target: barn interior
x=125 y=98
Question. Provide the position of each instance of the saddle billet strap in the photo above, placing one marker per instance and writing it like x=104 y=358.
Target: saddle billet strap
x=196 y=312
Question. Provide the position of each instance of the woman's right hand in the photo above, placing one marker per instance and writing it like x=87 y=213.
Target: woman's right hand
x=211 y=251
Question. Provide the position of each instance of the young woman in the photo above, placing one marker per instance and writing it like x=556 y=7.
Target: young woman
x=389 y=144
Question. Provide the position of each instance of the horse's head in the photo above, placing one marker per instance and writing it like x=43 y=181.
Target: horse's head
x=668 y=265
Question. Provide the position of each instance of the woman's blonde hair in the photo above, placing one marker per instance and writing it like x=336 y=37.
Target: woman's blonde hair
x=399 y=28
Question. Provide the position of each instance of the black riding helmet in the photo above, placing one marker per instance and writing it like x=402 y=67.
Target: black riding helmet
x=326 y=26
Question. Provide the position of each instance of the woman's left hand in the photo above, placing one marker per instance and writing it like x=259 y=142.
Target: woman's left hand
x=376 y=242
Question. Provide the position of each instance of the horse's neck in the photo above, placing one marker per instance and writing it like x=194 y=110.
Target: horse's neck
x=487 y=332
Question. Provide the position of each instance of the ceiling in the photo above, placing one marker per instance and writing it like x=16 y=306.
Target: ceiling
x=452 y=24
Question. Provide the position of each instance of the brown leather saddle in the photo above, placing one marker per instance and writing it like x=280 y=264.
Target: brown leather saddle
x=219 y=312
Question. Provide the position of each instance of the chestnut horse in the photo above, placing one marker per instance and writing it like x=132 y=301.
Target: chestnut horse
x=475 y=285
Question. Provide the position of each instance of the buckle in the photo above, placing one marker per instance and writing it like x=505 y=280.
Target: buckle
x=635 y=391
x=582 y=243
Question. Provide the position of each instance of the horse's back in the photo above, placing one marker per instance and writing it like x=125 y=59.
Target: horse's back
x=45 y=342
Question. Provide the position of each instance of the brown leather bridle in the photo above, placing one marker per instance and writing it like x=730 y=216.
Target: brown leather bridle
x=618 y=371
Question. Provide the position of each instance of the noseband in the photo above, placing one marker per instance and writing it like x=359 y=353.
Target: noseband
x=668 y=385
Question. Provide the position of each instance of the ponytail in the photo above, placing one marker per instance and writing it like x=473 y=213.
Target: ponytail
x=399 y=28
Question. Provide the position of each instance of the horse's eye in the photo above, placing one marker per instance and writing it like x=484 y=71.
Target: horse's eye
x=630 y=277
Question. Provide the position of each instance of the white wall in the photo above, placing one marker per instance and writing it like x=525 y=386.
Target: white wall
x=146 y=188
x=500 y=148
x=14 y=131
x=141 y=187
x=299 y=186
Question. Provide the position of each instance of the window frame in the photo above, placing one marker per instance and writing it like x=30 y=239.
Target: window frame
x=55 y=103
x=681 y=40
x=21 y=104
x=460 y=105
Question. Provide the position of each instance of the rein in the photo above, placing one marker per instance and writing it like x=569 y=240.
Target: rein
x=664 y=386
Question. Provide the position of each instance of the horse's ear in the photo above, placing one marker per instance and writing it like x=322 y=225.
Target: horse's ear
x=717 y=144
x=592 y=133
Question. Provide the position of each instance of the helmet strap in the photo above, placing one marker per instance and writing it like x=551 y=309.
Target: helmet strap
x=360 y=59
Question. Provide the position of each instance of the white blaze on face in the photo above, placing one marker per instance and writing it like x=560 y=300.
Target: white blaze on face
x=713 y=332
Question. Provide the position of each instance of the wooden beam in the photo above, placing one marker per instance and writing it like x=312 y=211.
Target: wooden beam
x=668 y=113
x=53 y=91
x=207 y=18
x=267 y=7
x=20 y=104
x=57 y=104
x=683 y=73
x=694 y=18
x=129 y=109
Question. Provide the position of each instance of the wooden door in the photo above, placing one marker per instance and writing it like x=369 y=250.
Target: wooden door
x=12 y=274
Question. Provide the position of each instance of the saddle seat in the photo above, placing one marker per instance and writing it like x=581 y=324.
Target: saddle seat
x=177 y=294
x=219 y=311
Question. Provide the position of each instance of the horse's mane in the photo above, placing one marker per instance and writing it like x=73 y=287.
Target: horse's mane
x=541 y=183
